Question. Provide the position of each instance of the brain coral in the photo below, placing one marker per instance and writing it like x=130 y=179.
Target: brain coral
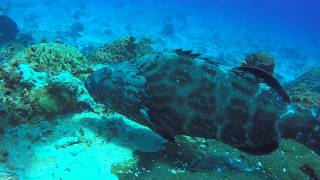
x=53 y=58
x=120 y=50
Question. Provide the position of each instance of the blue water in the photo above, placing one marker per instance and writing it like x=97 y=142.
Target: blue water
x=227 y=30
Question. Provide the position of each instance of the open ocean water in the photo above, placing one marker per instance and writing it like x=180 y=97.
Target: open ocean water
x=60 y=118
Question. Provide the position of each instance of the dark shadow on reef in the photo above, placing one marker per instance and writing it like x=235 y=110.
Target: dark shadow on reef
x=188 y=158
x=116 y=130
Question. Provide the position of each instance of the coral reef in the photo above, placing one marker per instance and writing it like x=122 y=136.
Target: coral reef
x=45 y=80
x=6 y=53
x=309 y=80
x=63 y=93
x=121 y=50
x=305 y=90
x=8 y=50
x=29 y=96
x=9 y=29
x=304 y=98
x=260 y=60
x=209 y=159
x=53 y=58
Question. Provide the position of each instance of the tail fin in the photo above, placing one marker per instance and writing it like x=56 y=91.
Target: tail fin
x=303 y=127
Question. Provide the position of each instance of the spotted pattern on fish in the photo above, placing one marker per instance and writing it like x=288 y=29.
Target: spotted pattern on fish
x=195 y=97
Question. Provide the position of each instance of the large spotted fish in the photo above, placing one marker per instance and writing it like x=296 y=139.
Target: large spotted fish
x=182 y=94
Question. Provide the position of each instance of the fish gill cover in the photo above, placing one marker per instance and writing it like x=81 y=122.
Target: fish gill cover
x=159 y=89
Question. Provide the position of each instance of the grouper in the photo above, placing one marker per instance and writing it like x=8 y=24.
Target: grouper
x=180 y=93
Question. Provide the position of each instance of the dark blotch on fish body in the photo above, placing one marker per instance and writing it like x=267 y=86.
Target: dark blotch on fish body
x=181 y=94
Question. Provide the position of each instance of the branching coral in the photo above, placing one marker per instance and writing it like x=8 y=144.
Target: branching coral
x=6 y=53
x=121 y=50
x=53 y=58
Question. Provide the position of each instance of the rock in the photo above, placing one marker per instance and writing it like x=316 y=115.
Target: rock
x=28 y=95
x=31 y=77
x=71 y=90
x=8 y=176
x=67 y=141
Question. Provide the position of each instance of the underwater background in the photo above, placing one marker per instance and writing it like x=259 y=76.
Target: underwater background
x=51 y=128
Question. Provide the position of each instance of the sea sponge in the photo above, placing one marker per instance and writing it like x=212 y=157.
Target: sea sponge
x=260 y=60
x=53 y=58
x=8 y=30
x=121 y=50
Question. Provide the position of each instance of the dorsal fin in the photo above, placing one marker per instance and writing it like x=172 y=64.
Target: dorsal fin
x=187 y=53
x=268 y=79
